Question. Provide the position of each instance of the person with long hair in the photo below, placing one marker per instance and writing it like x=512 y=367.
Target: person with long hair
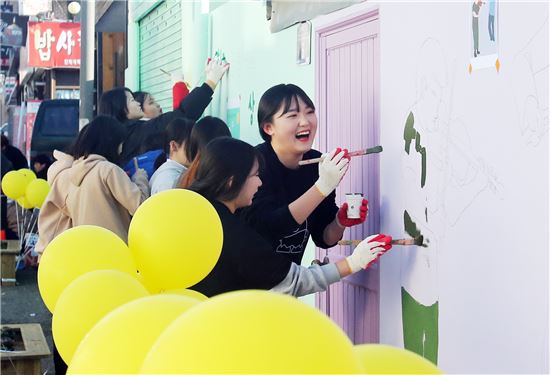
x=204 y=131
x=151 y=108
x=144 y=136
x=88 y=187
x=176 y=140
x=296 y=201
x=228 y=175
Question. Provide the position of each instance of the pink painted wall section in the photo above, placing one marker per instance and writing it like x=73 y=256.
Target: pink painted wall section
x=348 y=97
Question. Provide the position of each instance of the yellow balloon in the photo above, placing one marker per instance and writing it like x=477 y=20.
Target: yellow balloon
x=86 y=301
x=149 y=288
x=176 y=238
x=187 y=293
x=119 y=342
x=76 y=251
x=28 y=174
x=23 y=202
x=252 y=332
x=14 y=184
x=385 y=359
x=36 y=192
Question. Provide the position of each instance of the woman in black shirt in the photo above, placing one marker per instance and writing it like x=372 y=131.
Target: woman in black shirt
x=228 y=176
x=143 y=136
x=296 y=201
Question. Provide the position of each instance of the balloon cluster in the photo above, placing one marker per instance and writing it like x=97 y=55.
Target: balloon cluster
x=126 y=309
x=28 y=192
x=23 y=187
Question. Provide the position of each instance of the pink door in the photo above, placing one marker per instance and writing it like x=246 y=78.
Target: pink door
x=348 y=97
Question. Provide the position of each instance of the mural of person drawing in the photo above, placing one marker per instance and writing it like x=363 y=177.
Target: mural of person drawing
x=484 y=36
x=491 y=21
x=444 y=176
x=475 y=25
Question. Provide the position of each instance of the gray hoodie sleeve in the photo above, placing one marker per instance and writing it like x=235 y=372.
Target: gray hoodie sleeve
x=301 y=280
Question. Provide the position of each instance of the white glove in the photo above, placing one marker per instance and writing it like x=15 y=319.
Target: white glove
x=140 y=176
x=331 y=170
x=215 y=71
x=366 y=253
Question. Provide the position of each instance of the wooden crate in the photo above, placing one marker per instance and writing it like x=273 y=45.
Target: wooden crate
x=25 y=361
x=9 y=249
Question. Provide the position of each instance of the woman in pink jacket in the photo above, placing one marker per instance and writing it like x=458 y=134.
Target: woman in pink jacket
x=88 y=187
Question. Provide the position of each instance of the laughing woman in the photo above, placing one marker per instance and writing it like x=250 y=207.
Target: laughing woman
x=228 y=176
x=296 y=201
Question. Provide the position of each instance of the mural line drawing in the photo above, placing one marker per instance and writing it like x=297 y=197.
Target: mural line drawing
x=444 y=177
x=530 y=87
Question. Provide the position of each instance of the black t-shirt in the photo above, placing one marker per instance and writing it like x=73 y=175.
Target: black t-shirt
x=269 y=214
x=247 y=261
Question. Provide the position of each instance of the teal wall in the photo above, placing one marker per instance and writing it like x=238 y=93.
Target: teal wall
x=258 y=60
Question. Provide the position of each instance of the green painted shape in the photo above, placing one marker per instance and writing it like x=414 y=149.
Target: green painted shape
x=410 y=226
x=251 y=105
x=409 y=133
x=420 y=327
x=417 y=144
x=234 y=121
x=422 y=151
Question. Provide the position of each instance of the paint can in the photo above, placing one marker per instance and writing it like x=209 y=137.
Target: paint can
x=354 y=201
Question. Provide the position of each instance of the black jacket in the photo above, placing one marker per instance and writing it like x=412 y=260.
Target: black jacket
x=269 y=214
x=18 y=160
x=143 y=136
x=247 y=261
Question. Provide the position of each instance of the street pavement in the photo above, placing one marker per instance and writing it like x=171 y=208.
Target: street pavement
x=22 y=304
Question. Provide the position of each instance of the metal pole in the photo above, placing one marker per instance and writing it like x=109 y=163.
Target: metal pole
x=87 y=36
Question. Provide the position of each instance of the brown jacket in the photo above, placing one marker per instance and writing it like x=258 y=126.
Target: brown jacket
x=90 y=191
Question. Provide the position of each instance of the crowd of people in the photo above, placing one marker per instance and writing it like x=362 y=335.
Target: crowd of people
x=132 y=150
x=260 y=193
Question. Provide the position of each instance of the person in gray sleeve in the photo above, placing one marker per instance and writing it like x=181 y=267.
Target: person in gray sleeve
x=228 y=176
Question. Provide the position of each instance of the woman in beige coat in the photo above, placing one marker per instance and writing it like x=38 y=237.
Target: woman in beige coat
x=89 y=188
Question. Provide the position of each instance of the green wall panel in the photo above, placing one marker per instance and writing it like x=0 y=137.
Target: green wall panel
x=160 y=46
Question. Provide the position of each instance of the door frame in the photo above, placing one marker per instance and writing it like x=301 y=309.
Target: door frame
x=333 y=22
x=337 y=22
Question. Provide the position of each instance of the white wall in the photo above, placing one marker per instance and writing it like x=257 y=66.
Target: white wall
x=486 y=189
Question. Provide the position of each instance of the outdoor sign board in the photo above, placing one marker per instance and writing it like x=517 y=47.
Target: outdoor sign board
x=54 y=44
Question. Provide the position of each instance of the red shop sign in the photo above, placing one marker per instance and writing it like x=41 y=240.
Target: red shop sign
x=54 y=44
